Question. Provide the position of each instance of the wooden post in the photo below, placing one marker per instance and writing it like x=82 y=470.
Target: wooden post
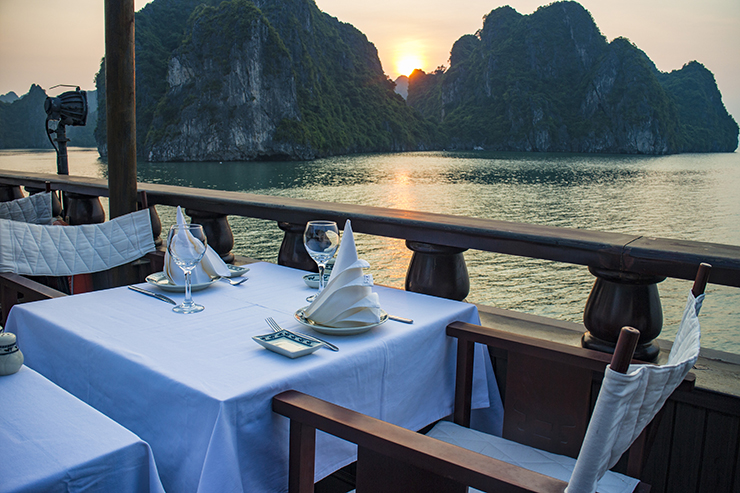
x=120 y=90
x=120 y=81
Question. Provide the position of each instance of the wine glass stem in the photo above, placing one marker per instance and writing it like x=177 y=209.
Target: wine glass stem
x=188 y=296
x=322 y=266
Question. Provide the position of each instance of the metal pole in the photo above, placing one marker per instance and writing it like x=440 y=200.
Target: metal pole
x=62 y=158
x=120 y=81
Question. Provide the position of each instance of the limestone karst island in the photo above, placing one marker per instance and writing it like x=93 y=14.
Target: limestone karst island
x=228 y=81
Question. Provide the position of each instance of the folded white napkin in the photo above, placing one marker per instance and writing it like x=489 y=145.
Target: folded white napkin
x=347 y=300
x=209 y=267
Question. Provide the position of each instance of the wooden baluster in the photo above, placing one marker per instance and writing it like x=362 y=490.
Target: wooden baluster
x=292 y=251
x=437 y=270
x=56 y=204
x=621 y=299
x=218 y=231
x=83 y=209
x=143 y=203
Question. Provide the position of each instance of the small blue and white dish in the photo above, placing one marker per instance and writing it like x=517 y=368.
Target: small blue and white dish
x=287 y=343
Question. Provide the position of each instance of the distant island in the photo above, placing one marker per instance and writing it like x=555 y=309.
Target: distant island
x=226 y=80
x=550 y=81
x=23 y=120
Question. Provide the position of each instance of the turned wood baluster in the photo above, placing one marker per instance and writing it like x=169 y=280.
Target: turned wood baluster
x=292 y=251
x=218 y=231
x=621 y=299
x=82 y=209
x=437 y=270
x=56 y=204
x=143 y=203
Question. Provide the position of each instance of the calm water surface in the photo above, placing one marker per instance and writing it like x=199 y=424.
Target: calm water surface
x=689 y=196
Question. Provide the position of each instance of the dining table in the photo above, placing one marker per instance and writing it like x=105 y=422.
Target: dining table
x=198 y=389
x=51 y=441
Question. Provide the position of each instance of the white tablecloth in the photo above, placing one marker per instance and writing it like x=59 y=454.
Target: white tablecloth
x=198 y=389
x=51 y=441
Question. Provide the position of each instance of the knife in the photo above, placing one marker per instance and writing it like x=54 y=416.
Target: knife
x=154 y=295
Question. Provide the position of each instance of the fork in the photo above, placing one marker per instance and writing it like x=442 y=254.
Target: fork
x=275 y=327
x=233 y=282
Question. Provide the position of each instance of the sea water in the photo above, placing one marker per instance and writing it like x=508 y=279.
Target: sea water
x=686 y=196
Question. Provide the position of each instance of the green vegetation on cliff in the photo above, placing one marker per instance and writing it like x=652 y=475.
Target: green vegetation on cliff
x=23 y=123
x=345 y=103
x=550 y=81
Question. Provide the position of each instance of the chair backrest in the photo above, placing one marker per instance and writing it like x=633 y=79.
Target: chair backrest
x=629 y=400
x=48 y=250
x=34 y=209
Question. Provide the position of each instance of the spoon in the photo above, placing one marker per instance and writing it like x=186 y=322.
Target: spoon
x=234 y=282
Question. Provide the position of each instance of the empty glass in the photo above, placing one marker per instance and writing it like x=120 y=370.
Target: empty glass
x=186 y=244
x=321 y=239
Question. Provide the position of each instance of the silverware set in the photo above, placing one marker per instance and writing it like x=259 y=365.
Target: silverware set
x=270 y=321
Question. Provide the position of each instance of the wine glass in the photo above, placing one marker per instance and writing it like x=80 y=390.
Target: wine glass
x=321 y=239
x=186 y=244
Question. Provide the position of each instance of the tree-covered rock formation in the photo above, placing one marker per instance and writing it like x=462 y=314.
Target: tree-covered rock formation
x=550 y=81
x=23 y=122
x=271 y=79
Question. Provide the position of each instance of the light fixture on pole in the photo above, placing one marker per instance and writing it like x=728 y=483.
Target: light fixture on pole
x=69 y=108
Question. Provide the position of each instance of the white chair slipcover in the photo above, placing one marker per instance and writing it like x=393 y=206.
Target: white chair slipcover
x=628 y=402
x=34 y=209
x=48 y=250
x=625 y=406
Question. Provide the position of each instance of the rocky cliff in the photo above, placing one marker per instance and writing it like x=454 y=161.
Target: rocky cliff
x=550 y=81
x=271 y=79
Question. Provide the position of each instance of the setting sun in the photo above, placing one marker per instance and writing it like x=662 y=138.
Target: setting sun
x=407 y=63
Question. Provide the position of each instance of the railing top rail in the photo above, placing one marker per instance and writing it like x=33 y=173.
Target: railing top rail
x=614 y=251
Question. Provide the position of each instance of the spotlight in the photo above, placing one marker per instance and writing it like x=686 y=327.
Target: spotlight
x=69 y=108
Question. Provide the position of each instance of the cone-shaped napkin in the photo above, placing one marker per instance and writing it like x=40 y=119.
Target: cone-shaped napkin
x=347 y=300
x=209 y=267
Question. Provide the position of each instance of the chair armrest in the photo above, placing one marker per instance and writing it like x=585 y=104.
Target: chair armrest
x=29 y=288
x=11 y=285
x=402 y=445
x=531 y=346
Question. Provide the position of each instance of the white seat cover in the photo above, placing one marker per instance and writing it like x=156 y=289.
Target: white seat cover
x=628 y=402
x=625 y=406
x=34 y=209
x=553 y=465
x=47 y=250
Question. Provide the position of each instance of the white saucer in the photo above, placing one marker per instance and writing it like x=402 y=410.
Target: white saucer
x=161 y=280
x=358 y=329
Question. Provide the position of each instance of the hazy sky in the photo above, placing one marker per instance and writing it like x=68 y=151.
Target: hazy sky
x=50 y=42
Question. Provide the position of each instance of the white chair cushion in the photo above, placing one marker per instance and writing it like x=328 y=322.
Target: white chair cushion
x=628 y=402
x=47 y=250
x=34 y=209
x=553 y=465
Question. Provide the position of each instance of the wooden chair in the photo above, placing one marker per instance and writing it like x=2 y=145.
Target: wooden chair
x=550 y=391
x=15 y=288
x=47 y=283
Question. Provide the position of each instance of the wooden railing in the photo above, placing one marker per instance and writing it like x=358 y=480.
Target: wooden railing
x=627 y=267
x=697 y=441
